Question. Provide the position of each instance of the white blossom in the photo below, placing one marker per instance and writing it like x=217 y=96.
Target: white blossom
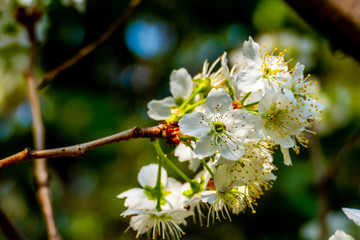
x=301 y=89
x=263 y=71
x=154 y=223
x=279 y=119
x=220 y=128
x=224 y=198
x=146 y=198
x=181 y=87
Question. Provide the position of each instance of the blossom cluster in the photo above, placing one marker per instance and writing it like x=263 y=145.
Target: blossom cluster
x=229 y=121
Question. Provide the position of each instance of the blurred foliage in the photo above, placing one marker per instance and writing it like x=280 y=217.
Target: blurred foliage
x=107 y=92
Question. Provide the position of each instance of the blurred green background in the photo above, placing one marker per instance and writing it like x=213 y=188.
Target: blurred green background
x=107 y=92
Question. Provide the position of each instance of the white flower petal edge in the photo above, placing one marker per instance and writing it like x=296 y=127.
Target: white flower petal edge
x=194 y=124
x=341 y=235
x=251 y=52
x=160 y=109
x=353 y=214
x=286 y=154
x=218 y=102
x=148 y=175
x=181 y=85
x=137 y=199
x=184 y=153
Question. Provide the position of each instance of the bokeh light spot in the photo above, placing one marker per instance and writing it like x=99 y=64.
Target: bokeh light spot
x=148 y=38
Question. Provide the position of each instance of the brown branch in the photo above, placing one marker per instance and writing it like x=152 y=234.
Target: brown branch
x=8 y=228
x=80 y=150
x=92 y=46
x=29 y=20
x=337 y=19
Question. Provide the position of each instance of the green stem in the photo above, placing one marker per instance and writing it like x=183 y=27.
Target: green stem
x=244 y=99
x=229 y=89
x=191 y=107
x=251 y=104
x=163 y=157
x=189 y=99
x=207 y=167
x=158 y=187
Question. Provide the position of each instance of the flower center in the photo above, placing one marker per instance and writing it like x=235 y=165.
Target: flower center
x=219 y=127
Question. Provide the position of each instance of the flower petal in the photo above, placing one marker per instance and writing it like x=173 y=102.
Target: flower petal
x=209 y=196
x=251 y=52
x=205 y=147
x=250 y=79
x=148 y=175
x=353 y=214
x=222 y=178
x=218 y=101
x=286 y=154
x=160 y=109
x=184 y=153
x=137 y=199
x=181 y=85
x=194 y=124
x=231 y=149
x=341 y=235
x=284 y=141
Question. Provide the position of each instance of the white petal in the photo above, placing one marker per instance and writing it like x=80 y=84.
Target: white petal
x=222 y=178
x=184 y=153
x=298 y=73
x=205 y=147
x=218 y=101
x=209 y=196
x=232 y=149
x=260 y=127
x=137 y=199
x=266 y=101
x=194 y=124
x=286 y=154
x=341 y=235
x=251 y=52
x=284 y=141
x=250 y=79
x=148 y=175
x=160 y=109
x=181 y=84
x=353 y=214
x=224 y=66
x=239 y=122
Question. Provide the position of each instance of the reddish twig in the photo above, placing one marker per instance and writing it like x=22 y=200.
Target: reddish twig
x=91 y=47
x=80 y=150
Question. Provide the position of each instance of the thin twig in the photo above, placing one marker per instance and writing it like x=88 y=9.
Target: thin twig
x=8 y=228
x=91 y=47
x=80 y=150
x=29 y=20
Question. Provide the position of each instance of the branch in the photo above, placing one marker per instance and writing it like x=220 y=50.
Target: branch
x=80 y=150
x=91 y=47
x=8 y=229
x=338 y=20
x=29 y=20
